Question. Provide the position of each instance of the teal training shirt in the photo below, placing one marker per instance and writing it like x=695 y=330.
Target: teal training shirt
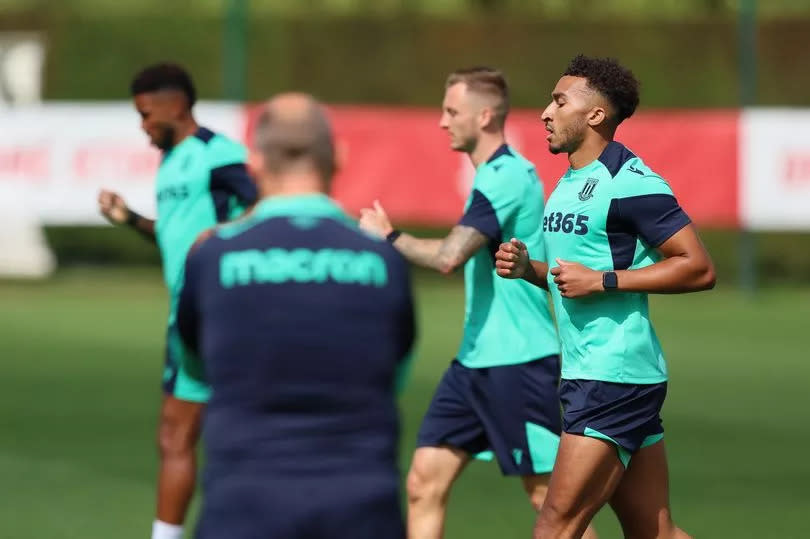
x=505 y=321
x=201 y=182
x=609 y=215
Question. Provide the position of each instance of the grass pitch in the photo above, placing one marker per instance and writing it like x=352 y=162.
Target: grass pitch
x=82 y=358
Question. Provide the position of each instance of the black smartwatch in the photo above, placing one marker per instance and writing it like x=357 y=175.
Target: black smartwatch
x=610 y=281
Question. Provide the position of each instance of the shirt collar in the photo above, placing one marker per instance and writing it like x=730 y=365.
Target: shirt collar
x=503 y=149
x=308 y=205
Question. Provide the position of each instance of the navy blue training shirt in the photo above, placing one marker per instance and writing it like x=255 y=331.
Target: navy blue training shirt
x=302 y=324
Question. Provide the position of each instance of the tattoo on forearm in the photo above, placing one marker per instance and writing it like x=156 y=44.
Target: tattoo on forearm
x=417 y=250
x=460 y=245
x=443 y=255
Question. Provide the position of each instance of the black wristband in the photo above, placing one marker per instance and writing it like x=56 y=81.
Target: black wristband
x=609 y=280
x=132 y=218
x=393 y=235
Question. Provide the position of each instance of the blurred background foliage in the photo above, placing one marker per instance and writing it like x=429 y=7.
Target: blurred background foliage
x=394 y=51
x=581 y=9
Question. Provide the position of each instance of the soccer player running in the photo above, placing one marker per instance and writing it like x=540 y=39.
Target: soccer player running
x=613 y=234
x=303 y=323
x=202 y=181
x=500 y=393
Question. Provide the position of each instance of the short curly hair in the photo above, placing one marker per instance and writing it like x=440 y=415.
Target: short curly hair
x=164 y=76
x=615 y=82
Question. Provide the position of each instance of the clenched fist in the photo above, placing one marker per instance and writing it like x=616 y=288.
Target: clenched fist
x=113 y=207
x=512 y=259
x=575 y=280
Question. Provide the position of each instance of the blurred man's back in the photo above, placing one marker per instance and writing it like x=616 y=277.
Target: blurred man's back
x=302 y=323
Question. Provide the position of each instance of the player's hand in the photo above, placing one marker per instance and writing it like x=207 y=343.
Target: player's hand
x=512 y=259
x=113 y=207
x=375 y=221
x=575 y=280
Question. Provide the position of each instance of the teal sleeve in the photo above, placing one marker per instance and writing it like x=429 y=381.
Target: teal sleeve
x=630 y=185
x=223 y=151
x=232 y=188
x=502 y=187
x=648 y=208
x=492 y=204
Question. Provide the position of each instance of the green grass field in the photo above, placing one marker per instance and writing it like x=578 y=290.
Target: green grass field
x=82 y=355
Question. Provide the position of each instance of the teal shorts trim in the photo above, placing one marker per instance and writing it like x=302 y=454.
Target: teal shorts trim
x=509 y=413
x=543 y=445
x=624 y=454
x=182 y=375
x=627 y=415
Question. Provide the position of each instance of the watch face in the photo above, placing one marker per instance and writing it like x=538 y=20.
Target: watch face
x=609 y=280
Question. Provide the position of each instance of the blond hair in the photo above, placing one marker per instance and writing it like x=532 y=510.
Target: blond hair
x=487 y=82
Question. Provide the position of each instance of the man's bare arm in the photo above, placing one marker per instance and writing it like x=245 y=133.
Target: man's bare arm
x=116 y=211
x=538 y=275
x=444 y=255
x=686 y=267
x=144 y=226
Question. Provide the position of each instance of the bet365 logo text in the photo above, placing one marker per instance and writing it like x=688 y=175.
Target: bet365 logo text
x=566 y=223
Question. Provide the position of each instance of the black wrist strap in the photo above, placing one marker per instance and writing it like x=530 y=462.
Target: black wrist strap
x=393 y=235
x=132 y=218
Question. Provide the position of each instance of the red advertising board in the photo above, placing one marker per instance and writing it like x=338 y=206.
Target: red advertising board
x=401 y=157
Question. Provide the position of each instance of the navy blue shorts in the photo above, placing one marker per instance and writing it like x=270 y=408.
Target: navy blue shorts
x=511 y=410
x=255 y=507
x=628 y=415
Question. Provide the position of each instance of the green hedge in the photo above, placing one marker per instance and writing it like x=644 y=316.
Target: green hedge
x=781 y=258
x=404 y=59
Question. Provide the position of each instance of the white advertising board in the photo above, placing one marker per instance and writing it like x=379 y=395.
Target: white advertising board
x=55 y=158
x=774 y=169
